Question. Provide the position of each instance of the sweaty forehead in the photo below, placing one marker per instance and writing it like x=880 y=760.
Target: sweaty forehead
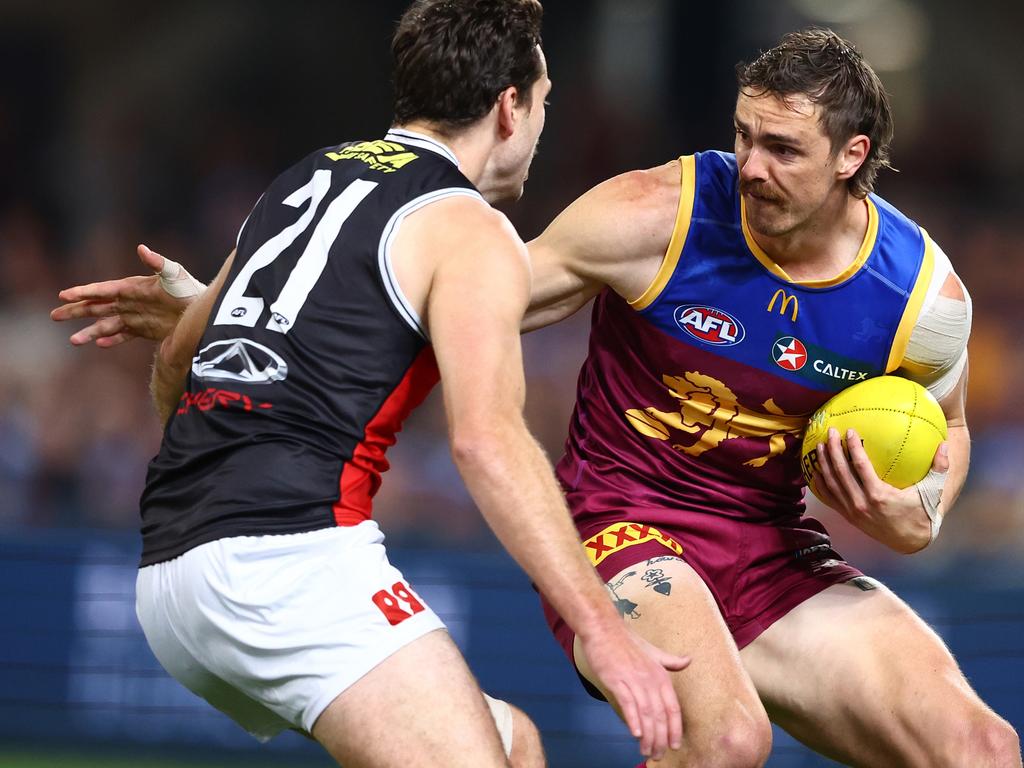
x=771 y=113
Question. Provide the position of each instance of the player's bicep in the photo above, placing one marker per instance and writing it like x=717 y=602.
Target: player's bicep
x=560 y=287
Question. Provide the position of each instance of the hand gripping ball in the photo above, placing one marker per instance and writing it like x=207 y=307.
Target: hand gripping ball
x=899 y=422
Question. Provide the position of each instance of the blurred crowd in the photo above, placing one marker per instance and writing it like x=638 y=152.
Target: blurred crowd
x=102 y=150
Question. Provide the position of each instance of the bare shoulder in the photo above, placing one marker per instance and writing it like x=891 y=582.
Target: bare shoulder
x=626 y=211
x=617 y=233
x=953 y=288
x=646 y=198
x=463 y=223
x=646 y=183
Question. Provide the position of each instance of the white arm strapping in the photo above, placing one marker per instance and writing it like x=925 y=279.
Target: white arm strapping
x=930 y=491
x=936 y=356
x=937 y=350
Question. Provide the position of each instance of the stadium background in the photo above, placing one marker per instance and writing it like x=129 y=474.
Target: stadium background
x=162 y=122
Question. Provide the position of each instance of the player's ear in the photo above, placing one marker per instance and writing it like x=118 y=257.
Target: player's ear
x=852 y=156
x=508 y=100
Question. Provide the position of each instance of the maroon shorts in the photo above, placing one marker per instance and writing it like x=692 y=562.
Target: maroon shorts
x=756 y=572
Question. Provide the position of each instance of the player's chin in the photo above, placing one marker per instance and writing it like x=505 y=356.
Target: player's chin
x=769 y=223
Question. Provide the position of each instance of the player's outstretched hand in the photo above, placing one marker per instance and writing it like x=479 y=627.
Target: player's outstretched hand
x=851 y=486
x=635 y=673
x=131 y=307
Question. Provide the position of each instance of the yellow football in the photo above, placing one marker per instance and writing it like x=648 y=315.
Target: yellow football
x=899 y=422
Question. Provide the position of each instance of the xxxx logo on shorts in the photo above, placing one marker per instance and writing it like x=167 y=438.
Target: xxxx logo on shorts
x=619 y=536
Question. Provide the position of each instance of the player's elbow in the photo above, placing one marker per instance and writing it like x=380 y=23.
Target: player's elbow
x=482 y=447
x=470 y=451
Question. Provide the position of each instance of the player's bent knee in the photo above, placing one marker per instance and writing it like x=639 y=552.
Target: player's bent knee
x=980 y=740
x=527 y=748
x=746 y=740
x=739 y=739
x=989 y=743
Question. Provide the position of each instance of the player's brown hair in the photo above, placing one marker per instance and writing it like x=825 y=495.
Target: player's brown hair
x=819 y=64
x=453 y=57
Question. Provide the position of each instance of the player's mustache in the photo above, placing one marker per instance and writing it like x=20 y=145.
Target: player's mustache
x=761 y=190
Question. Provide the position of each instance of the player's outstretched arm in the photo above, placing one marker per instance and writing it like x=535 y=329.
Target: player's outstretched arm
x=174 y=354
x=145 y=307
x=479 y=290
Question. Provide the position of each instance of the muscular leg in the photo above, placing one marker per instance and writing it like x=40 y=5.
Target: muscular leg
x=724 y=724
x=419 y=708
x=857 y=676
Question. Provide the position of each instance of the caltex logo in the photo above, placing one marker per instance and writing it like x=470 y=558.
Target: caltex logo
x=789 y=353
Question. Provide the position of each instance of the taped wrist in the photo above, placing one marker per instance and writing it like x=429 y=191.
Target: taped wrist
x=930 y=491
x=177 y=282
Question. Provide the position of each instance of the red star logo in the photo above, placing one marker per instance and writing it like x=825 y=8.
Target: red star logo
x=790 y=353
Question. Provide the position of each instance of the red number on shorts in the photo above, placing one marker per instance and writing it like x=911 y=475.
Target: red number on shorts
x=388 y=603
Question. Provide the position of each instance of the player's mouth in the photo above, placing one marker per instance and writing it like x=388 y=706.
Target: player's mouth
x=760 y=195
x=763 y=199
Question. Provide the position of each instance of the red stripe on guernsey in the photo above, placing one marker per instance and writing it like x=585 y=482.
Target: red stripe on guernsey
x=360 y=477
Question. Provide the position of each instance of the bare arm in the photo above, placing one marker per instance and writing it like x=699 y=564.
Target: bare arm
x=616 y=234
x=478 y=292
x=174 y=354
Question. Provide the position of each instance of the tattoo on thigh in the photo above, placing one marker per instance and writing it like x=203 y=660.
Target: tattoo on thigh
x=624 y=606
x=622 y=580
x=662 y=559
x=658 y=581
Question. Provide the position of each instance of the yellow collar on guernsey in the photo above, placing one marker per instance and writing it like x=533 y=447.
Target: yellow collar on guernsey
x=866 y=246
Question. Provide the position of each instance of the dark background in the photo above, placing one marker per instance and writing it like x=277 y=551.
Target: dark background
x=163 y=122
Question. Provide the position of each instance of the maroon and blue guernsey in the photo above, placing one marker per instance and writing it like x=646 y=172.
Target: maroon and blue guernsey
x=694 y=397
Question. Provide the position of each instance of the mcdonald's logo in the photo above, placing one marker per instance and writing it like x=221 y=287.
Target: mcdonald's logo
x=785 y=300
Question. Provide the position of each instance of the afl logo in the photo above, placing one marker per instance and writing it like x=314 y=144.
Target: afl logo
x=710 y=325
x=789 y=353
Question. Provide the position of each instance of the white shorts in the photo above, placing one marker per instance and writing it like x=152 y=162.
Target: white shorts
x=270 y=629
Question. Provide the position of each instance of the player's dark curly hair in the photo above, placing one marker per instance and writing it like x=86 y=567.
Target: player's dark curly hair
x=453 y=57
x=820 y=65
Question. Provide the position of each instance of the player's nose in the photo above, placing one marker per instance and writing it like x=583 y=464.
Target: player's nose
x=753 y=166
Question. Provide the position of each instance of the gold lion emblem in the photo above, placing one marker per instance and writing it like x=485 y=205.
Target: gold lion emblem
x=710 y=410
